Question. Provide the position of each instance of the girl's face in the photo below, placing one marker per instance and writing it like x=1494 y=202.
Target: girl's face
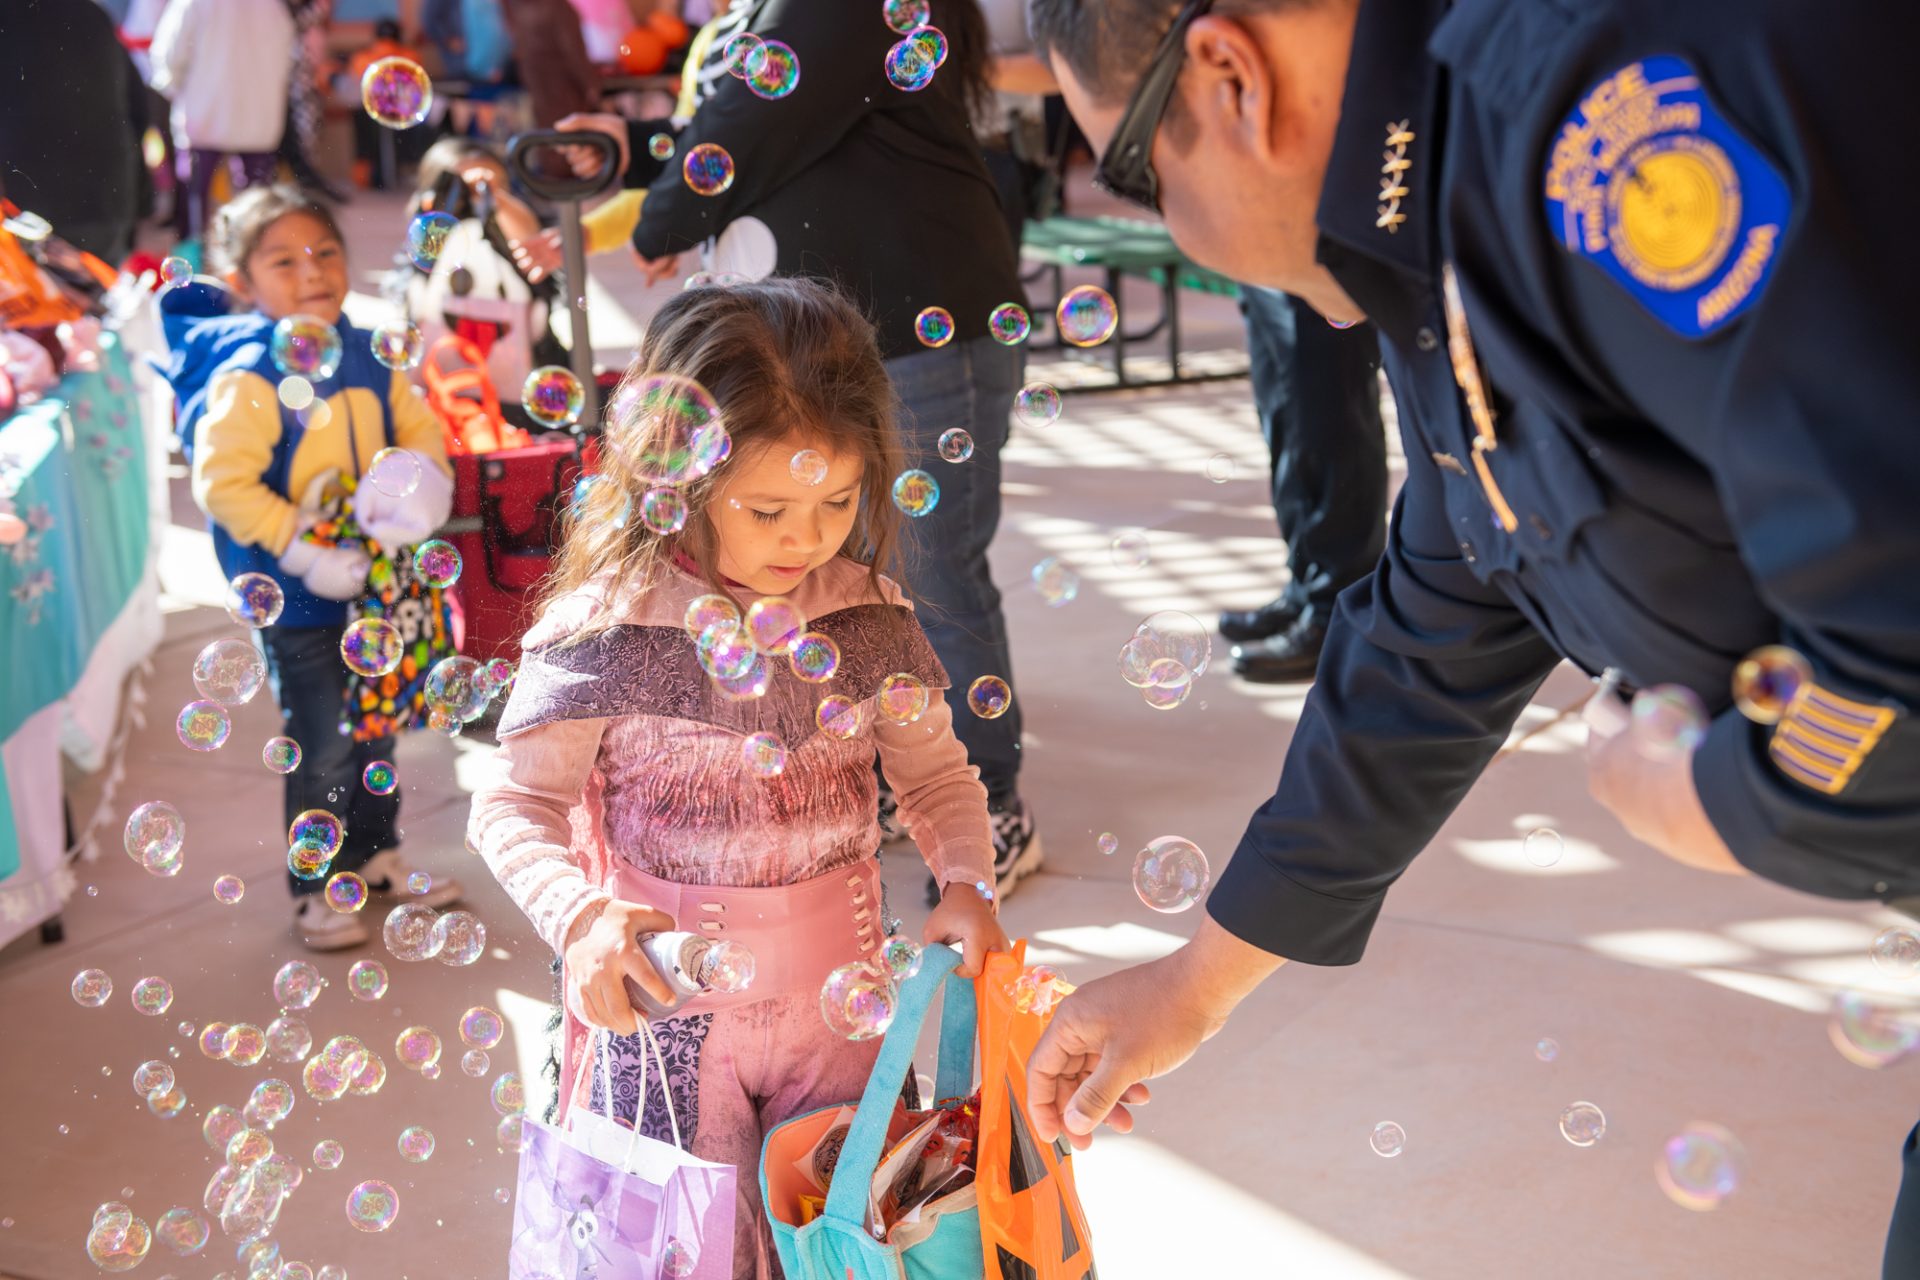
x=298 y=268
x=773 y=530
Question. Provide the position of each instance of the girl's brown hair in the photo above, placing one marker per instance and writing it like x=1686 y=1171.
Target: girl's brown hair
x=791 y=364
x=243 y=220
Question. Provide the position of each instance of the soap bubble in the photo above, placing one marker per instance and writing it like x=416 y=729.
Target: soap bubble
x=749 y=684
x=229 y=671
x=396 y=92
x=1583 y=1124
x=809 y=467
x=372 y=1206
x=244 y=1044
x=476 y=1063
x=1087 y=316
x=910 y=66
x=916 y=493
x=455 y=685
x=296 y=985
x=169 y=1104
x=775 y=624
x=367 y=980
x=270 y=1103
x=1871 y=1034
x=727 y=967
x=204 y=725
x=838 y=716
x=175 y=271
x=1170 y=874
x=707 y=611
x=668 y=429
x=221 y=1124
x=900 y=956
x=305 y=346
x=152 y=996
x=307 y=861
x=118 y=1241
x=459 y=938
x=316 y=827
x=552 y=396
x=1669 y=721
x=1169 y=634
x=427 y=236
x=409 y=934
x=741 y=54
x=92 y=988
x=858 y=1001
x=289 y=1039
x=678 y=1259
x=481 y=1027
x=764 y=754
x=419 y=882
x=1767 y=680
x=1546 y=1049
x=1008 y=322
x=1037 y=404
x=508 y=1096
x=1055 y=581
x=156 y=834
x=152 y=1076
x=1543 y=846
x=1108 y=843
x=933 y=43
x=346 y=891
x=989 y=697
x=934 y=327
x=1896 y=952
x=500 y=675
x=371 y=647
x=904 y=17
x=1700 y=1167
x=183 y=1230
x=438 y=563
x=249 y=1147
x=708 y=169
x=213 y=1040
x=902 y=698
x=725 y=650
x=815 y=657
x=775 y=73
x=660 y=146
x=416 y=1047
x=663 y=509
x=371 y=1072
x=255 y=600
x=1388 y=1139
x=281 y=755
x=1169 y=684
x=956 y=444
x=397 y=344
x=416 y=1144
x=1220 y=468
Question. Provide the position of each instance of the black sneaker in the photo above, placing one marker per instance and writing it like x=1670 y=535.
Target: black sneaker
x=1016 y=850
x=1243 y=626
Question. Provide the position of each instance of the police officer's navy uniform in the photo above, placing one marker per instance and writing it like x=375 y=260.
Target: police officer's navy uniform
x=1672 y=415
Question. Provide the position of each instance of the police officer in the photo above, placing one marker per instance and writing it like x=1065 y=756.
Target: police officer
x=1641 y=273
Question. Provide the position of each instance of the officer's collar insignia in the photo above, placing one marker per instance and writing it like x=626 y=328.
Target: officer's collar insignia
x=1648 y=180
x=1393 y=176
x=1823 y=738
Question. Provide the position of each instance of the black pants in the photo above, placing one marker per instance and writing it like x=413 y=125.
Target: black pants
x=309 y=682
x=1903 y=1236
x=1317 y=391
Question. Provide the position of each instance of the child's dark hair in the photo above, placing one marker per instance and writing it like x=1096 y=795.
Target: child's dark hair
x=386 y=29
x=789 y=363
x=243 y=220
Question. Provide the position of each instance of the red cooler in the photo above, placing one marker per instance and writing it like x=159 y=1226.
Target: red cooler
x=506 y=525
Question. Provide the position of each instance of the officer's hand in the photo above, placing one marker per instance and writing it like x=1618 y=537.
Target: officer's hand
x=1652 y=796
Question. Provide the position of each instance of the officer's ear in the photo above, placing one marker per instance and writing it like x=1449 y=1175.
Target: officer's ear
x=1229 y=89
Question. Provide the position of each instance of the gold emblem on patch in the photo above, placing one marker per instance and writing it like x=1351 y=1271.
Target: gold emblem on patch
x=1673 y=209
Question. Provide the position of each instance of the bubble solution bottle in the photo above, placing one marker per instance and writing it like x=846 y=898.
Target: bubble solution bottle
x=692 y=965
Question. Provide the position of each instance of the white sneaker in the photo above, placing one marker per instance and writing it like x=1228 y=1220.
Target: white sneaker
x=324 y=929
x=387 y=873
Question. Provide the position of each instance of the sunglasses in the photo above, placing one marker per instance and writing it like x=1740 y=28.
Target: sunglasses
x=1126 y=166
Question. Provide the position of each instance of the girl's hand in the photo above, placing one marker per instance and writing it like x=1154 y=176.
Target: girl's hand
x=966 y=919
x=538 y=256
x=598 y=962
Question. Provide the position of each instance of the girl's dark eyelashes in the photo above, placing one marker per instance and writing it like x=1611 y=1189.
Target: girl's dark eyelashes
x=841 y=505
x=765 y=517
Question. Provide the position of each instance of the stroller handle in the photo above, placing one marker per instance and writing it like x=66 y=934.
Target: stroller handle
x=522 y=147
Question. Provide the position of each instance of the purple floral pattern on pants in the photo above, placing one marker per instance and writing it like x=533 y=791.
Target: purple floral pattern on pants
x=630 y=1066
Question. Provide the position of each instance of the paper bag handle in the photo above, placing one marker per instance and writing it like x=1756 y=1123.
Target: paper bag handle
x=603 y=1058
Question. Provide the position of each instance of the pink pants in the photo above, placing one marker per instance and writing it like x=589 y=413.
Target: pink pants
x=739 y=1065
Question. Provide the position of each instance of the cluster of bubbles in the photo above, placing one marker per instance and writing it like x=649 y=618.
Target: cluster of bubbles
x=1038 y=989
x=858 y=999
x=414 y=931
x=667 y=429
x=1166 y=655
x=156 y=838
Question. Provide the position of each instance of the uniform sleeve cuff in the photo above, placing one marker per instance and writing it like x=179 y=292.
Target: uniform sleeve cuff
x=1262 y=906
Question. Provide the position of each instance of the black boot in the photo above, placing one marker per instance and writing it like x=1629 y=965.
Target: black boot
x=1291 y=657
x=1270 y=619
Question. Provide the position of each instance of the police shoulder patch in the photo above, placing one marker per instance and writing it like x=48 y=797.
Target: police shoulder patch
x=1648 y=180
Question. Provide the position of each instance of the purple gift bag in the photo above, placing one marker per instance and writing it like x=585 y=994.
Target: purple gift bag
x=599 y=1201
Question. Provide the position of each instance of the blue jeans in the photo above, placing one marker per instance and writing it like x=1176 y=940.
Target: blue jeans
x=309 y=682
x=967 y=384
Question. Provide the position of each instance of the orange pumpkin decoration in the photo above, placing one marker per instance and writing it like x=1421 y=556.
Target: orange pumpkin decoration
x=670 y=28
x=642 y=52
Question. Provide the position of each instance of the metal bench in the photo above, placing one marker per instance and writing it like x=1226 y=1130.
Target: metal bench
x=1121 y=247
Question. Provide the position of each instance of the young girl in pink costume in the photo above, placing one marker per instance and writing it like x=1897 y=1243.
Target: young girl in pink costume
x=627 y=797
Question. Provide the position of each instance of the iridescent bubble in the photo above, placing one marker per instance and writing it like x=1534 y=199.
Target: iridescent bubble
x=458 y=938
x=1700 y=1167
x=500 y=675
x=91 y=988
x=481 y=1027
x=815 y=657
x=416 y=1144
x=511 y=1133
x=956 y=444
x=296 y=985
x=764 y=755
x=595 y=498
x=708 y=169
x=660 y=146
x=419 y=882
x=933 y=43
x=152 y=1076
x=989 y=697
x=289 y=1039
x=775 y=624
x=255 y=600
x=175 y=272
x=204 y=725
x=475 y=1063
x=508 y=1096
x=221 y=1124
x=1869 y=1033
x=1037 y=404
x=1171 y=874
x=327 y=1154
x=367 y=980
x=726 y=651
x=396 y=92
x=708 y=611
x=249 y=1147
x=397 y=344
x=296 y=393
x=346 y=891
x=371 y=647
x=668 y=429
x=416 y=1047
x=916 y=493
x=213 y=1040
x=317 y=827
x=858 y=1001
x=427 y=236
x=371 y=1072
x=1220 y=468
x=1543 y=846
x=1169 y=684
x=1546 y=1049
x=183 y=1230
x=1388 y=1139
x=1583 y=1124
x=169 y=1104
x=270 y=1103
x=904 y=17
x=438 y=563
x=408 y=931
x=118 y=1241
x=678 y=1259
x=152 y=996
x=1767 y=680
x=809 y=466
x=900 y=957
x=1167 y=634
x=380 y=777
x=305 y=346
x=552 y=396
x=1896 y=952
x=752 y=683
x=229 y=671
x=1130 y=551
x=1087 y=316
x=1008 y=322
x=663 y=509
x=156 y=835
x=934 y=327
x=372 y=1206
x=455 y=686
x=1669 y=721
x=902 y=698
x=281 y=755
x=1056 y=583
x=1108 y=843
x=741 y=54
x=909 y=67
x=308 y=861
x=838 y=717
x=775 y=73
